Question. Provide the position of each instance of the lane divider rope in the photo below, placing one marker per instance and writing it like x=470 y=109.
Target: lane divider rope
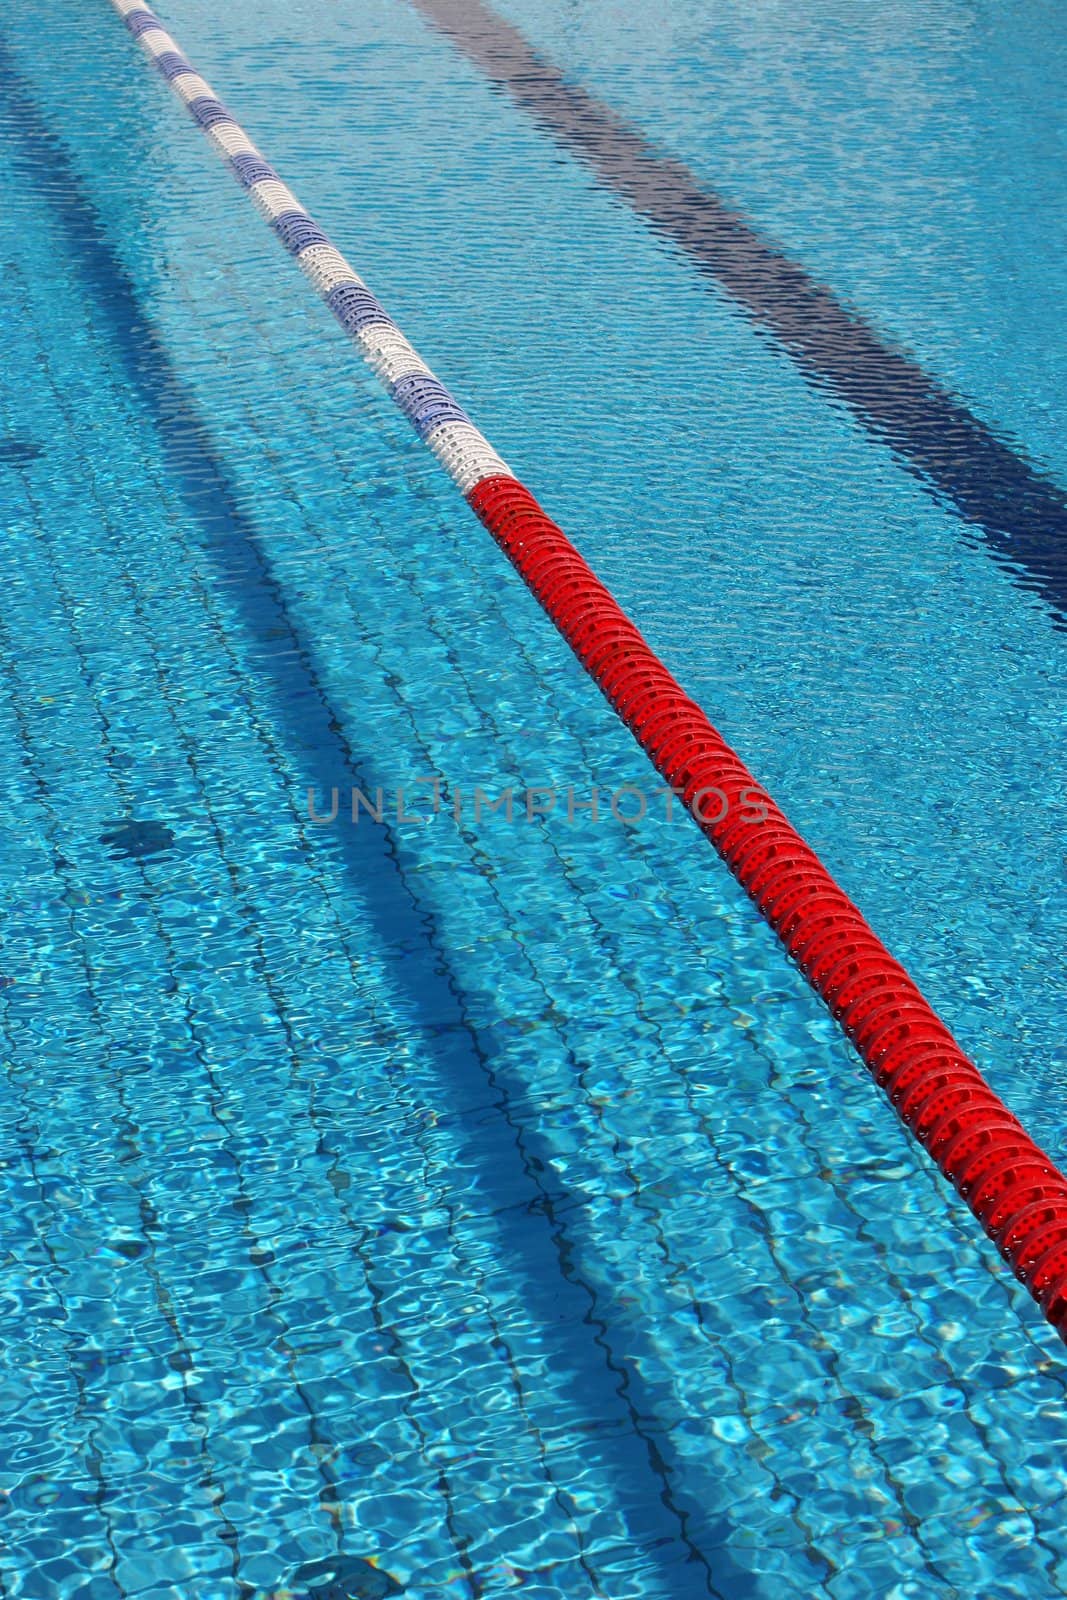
x=1010 y=1184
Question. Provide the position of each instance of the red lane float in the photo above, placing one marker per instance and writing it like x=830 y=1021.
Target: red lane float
x=1010 y=1184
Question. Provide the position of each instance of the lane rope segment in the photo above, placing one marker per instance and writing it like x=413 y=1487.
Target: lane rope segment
x=1010 y=1184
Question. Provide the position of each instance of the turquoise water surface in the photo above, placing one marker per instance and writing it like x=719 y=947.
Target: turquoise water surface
x=485 y=1205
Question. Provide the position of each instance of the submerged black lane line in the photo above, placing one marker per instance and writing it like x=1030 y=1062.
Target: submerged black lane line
x=1021 y=514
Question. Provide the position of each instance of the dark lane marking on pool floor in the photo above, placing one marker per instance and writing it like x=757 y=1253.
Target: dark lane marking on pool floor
x=1022 y=514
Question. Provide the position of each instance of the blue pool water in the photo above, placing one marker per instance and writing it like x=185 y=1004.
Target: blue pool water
x=488 y=1204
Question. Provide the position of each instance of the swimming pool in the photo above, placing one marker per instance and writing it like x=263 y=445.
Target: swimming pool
x=492 y=1202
